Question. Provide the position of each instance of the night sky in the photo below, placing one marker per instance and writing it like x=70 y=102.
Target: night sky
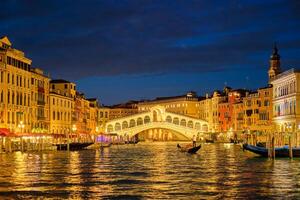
x=122 y=50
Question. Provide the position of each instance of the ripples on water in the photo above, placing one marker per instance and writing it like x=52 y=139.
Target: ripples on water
x=148 y=171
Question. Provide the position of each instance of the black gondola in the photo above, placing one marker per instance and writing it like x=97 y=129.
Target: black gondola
x=191 y=150
x=279 y=151
x=209 y=141
x=74 y=146
x=132 y=142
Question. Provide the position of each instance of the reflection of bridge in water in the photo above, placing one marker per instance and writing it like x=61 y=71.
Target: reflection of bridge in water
x=158 y=124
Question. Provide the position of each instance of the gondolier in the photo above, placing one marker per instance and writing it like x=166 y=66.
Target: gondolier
x=194 y=141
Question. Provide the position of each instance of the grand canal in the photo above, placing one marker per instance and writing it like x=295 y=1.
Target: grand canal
x=148 y=171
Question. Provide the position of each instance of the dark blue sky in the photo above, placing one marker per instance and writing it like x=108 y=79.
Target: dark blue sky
x=121 y=50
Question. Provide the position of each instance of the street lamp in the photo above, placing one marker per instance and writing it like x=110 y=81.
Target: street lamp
x=21 y=126
x=74 y=128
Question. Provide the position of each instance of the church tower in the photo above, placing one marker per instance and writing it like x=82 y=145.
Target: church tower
x=274 y=64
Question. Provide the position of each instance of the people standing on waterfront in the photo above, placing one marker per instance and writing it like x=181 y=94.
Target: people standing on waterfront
x=194 y=141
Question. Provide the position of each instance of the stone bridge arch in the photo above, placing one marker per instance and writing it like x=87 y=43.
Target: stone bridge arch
x=157 y=117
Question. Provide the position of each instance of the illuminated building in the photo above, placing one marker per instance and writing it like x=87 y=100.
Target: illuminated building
x=226 y=108
x=238 y=117
x=258 y=110
x=274 y=68
x=40 y=85
x=286 y=90
x=184 y=104
x=81 y=114
x=103 y=118
x=61 y=106
x=23 y=92
x=93 y=116
x=123 y=110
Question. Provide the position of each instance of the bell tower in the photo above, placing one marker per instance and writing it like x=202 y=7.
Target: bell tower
x=274 y=64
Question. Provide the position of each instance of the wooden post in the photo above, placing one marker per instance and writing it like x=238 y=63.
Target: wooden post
x=68 y=142
x=1 y=145
x=290 y=147
x=273 y=147
x=22 y=145
x=269 y=146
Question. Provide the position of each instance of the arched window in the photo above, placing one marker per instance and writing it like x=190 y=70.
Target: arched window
x=110 y=128
x=190 y=124
x=176 y=121
x=124 y=124
x=131 y=123
x=197 y=126
x=146 y=119
x=183 y=122
x=169 y=119
x=204 y=128
x=139 y=121
x=117 y=126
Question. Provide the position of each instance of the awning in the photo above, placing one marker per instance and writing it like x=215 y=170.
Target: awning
x=6 y=133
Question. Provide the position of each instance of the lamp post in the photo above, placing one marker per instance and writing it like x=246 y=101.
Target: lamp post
x=21 y=126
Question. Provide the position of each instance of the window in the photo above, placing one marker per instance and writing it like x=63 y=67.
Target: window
x=66 y=86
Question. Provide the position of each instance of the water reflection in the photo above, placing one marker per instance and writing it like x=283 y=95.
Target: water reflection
x=155 y=171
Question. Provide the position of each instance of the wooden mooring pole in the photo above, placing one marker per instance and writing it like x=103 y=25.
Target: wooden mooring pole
x=290 y=147
x=273 y=147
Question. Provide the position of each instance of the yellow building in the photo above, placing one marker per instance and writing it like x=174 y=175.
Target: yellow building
x=258 y=111
x=204 y=110
x=216 y=99
x=61 y=107
x=17 y=90
x=94 y=121
x=81 y=117
x=238 y=117
x=123 y=110
x=184 y=104
x=103 y=118
x=40 y=85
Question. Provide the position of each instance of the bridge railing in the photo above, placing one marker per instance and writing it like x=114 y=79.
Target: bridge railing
x=161 y=125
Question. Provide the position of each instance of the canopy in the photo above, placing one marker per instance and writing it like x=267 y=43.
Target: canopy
x=6 y=133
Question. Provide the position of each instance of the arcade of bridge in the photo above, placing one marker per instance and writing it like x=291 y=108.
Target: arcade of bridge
x=157 y=117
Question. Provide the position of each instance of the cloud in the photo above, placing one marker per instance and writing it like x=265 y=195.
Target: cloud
x=77 y=39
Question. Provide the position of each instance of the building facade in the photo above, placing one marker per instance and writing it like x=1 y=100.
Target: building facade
x=184 y=104
x=24 y=92
x=286 y=97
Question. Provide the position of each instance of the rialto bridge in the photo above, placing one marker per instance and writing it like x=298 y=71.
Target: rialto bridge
x=158 y=124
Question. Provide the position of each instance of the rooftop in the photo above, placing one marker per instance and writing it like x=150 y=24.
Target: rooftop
x=59 y=81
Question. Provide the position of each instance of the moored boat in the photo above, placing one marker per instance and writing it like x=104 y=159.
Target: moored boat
x=279 y=151
x=191 y=150
x=73 y=146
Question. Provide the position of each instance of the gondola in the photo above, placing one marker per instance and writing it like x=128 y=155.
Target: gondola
x=132 y=142
x=279 y=151
x=73 y=146
x=209 y=141
x=191 y=150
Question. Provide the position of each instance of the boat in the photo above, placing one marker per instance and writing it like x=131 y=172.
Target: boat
x=209 y=141
x=191 y=150
x=73 y=146
x=132 y=142
x=279 y=151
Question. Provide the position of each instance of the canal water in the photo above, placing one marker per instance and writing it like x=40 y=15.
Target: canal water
x=148 y=171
